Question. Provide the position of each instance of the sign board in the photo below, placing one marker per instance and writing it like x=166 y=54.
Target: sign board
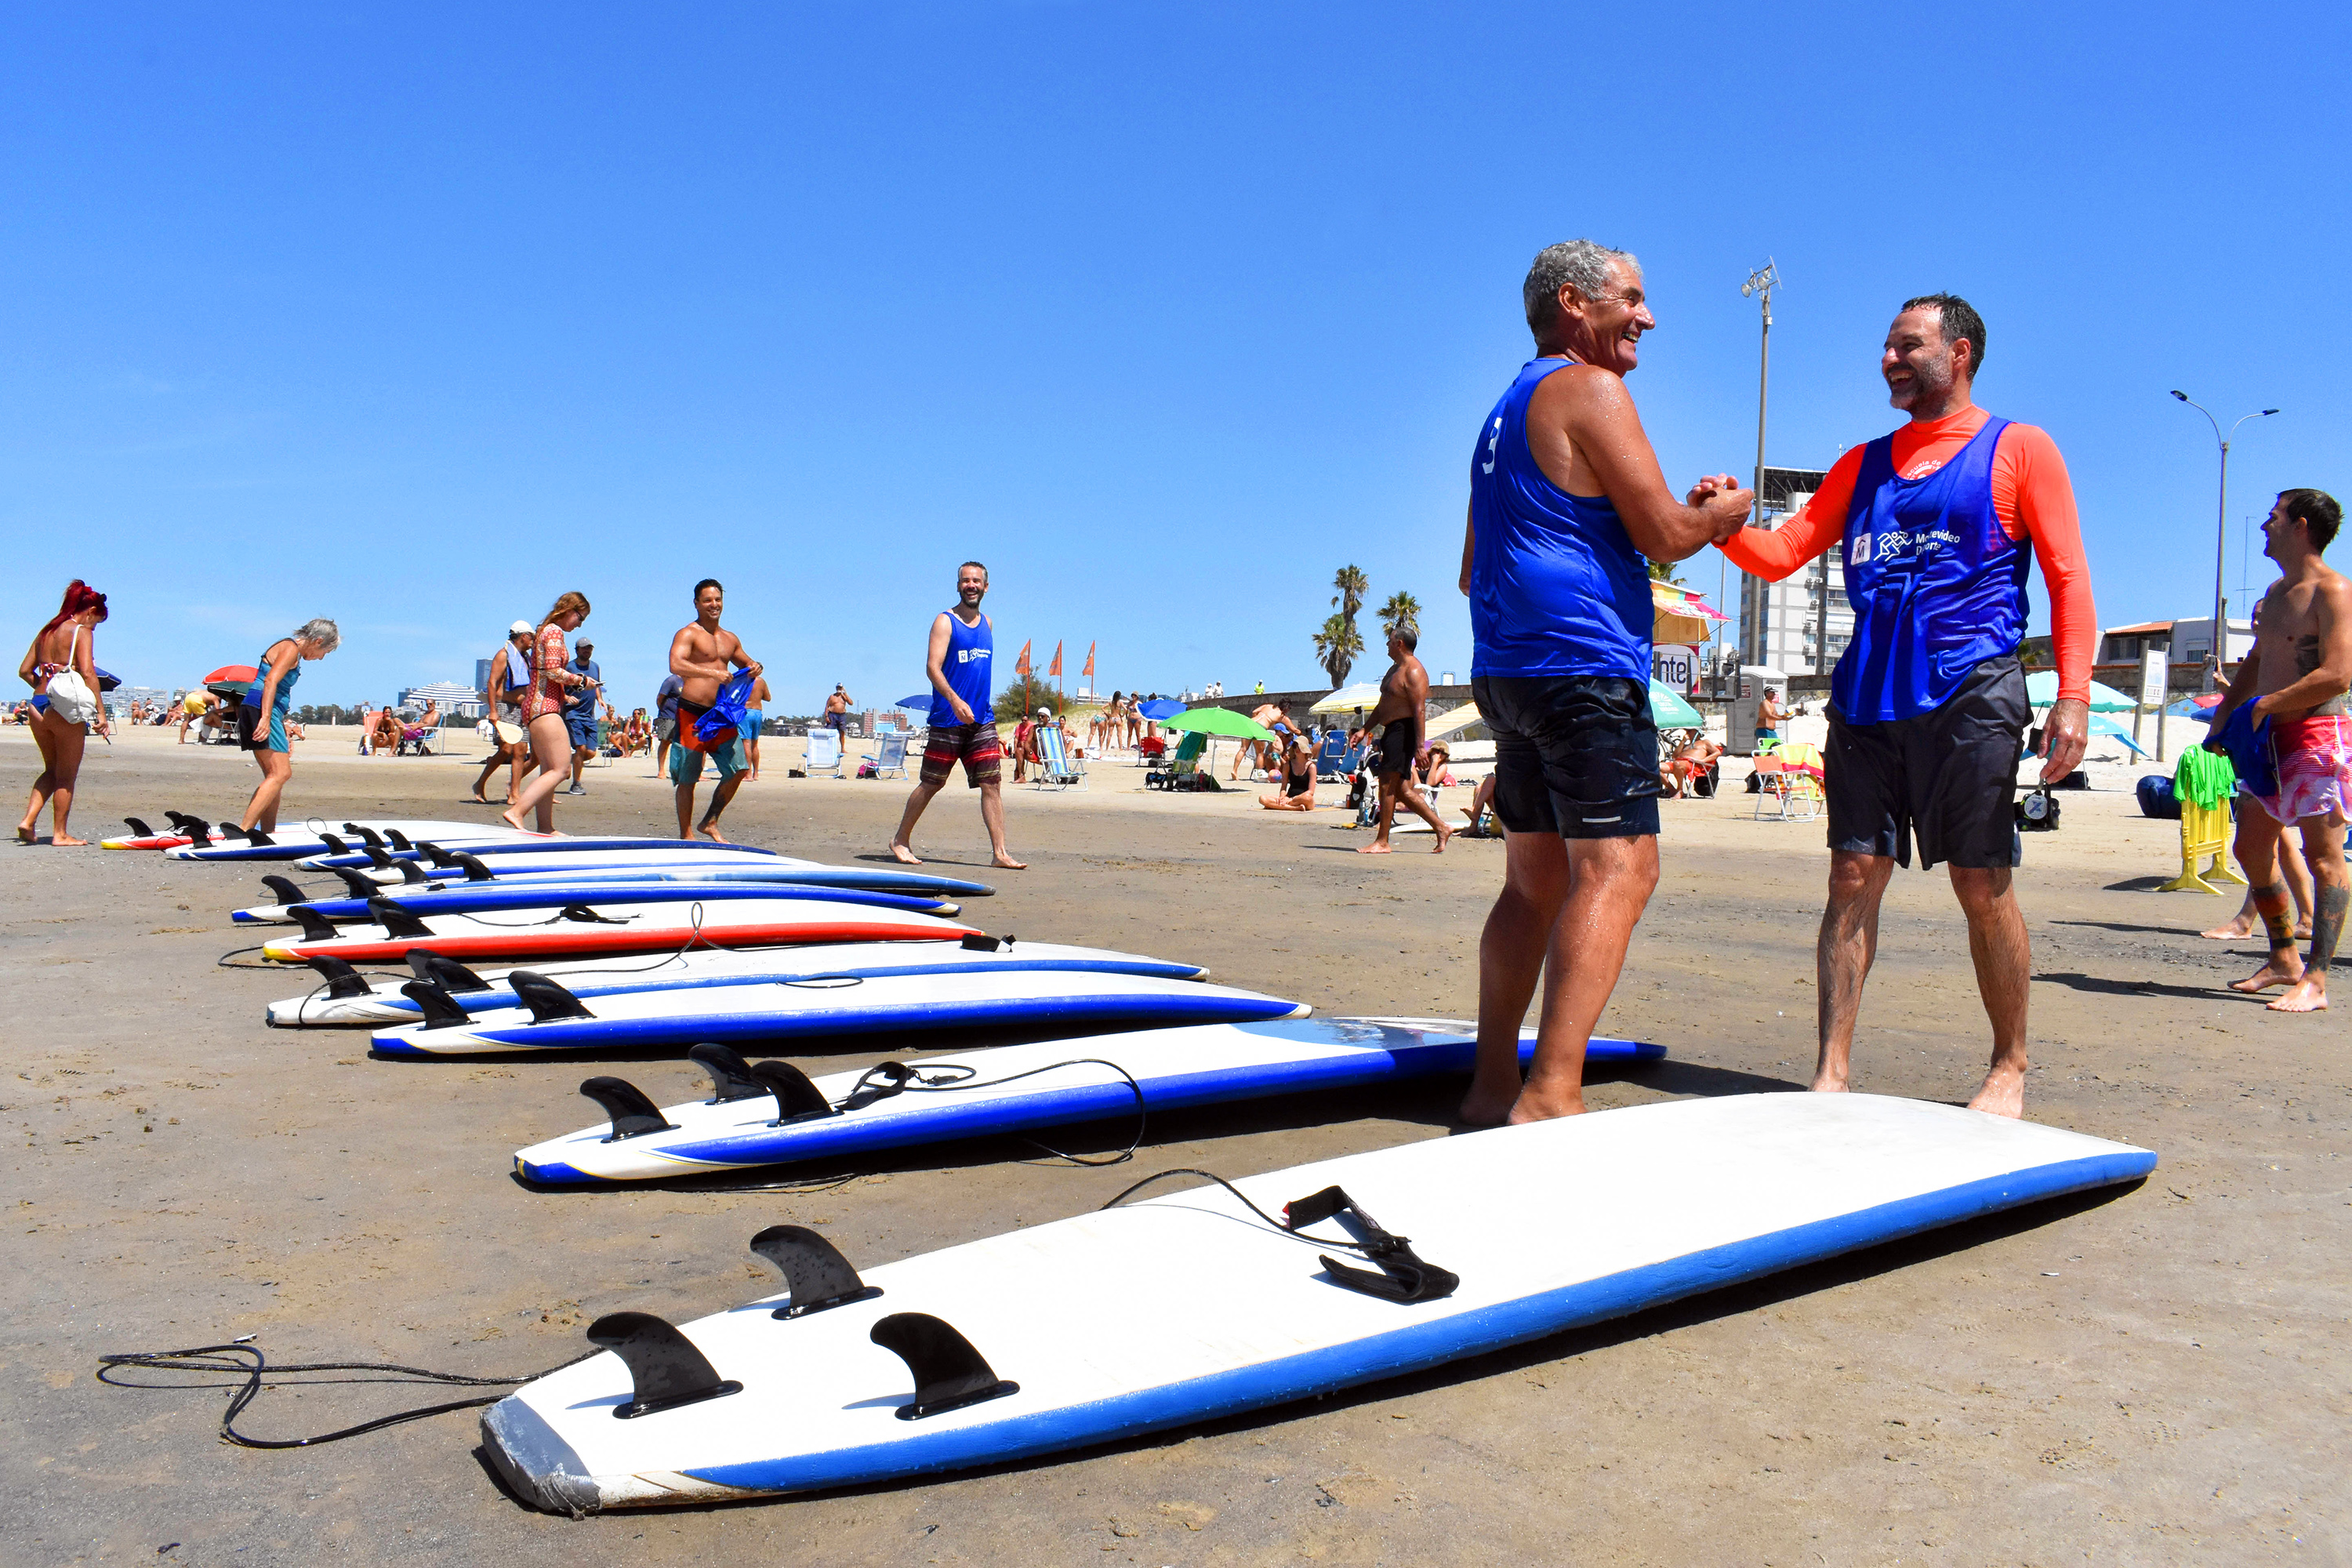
x=1674 y=666
x=2154 y=673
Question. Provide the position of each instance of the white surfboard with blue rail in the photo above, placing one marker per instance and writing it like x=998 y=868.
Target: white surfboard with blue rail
x=1187 y=1306
x=491 y=898
x=540 y=844
x=747 y=1120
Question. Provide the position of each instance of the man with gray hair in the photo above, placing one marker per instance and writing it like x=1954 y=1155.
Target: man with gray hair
x=1565 y=499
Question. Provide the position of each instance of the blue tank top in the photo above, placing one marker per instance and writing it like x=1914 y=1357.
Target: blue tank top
x=1937 y=586
x=1555 y=585
x=970 y=652
x=285 y=682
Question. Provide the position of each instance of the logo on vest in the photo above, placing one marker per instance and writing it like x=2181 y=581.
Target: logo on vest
x=1897 y=543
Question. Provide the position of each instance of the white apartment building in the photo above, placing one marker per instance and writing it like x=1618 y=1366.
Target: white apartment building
x=1782 y=624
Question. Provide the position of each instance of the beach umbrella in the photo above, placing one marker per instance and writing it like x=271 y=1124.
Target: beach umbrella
x=1668 y=709
x=919 y=700
x=1679 y=616
x=2200 y=709
x=2103 y=725
x=1347 y=698
x=237 y=675
x=1220 y=722
x=2041 y=690
x=1160 y=708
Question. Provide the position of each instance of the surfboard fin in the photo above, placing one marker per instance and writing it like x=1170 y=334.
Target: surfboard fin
x=315 y=926
x=664 y=1368
x=815 y=1272
x=376 y=857
x=633 y=1114
x=411 y=873
x=1404 y=1275
x=981 y=942
x=367 y=835
x=731 y=1075
x=446 y=973
x=141 y=828
x=358 y=882
x=547 y=1000
x=797 y=1099
x=434 y=853
x=342 y=979
x=587 y=916
x=475 y=870
x=256 y=838
x=396 y=921
x=440 y=1012
x=286 y=892
x=950 y=1373
x=334 y=845
x=399 y=840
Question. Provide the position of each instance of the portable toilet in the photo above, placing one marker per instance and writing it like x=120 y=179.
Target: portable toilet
x=1746 y=698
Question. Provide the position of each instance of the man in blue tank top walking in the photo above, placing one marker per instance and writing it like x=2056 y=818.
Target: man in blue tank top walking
x=963 y=718
x=1565 y=499
x=1937 y=523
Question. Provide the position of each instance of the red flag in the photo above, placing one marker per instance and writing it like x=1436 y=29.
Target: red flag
x=1089 y=669
x=1020 y=665
x=1056 y=668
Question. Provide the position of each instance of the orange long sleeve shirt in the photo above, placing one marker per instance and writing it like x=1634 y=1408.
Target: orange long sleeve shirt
x=2032 y=495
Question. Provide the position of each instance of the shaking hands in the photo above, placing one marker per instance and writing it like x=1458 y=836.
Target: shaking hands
x=1726 y=502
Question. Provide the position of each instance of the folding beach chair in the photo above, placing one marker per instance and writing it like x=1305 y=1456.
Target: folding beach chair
x=892 y=757
x=1331 y=758
x=1055 y=769
x=1183 y=768
x=825 y=753
x=1790 y=774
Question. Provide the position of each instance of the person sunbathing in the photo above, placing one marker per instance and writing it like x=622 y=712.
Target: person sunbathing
x=1297 y=778
x=1689 y=762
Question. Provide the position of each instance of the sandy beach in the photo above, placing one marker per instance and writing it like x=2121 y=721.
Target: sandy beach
x=2156 y=1374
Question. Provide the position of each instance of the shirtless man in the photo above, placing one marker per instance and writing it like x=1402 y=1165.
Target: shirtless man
x=836 y=712
x=2295 y=680
x=1404 y=694
x=702 y=656
x=962 y=724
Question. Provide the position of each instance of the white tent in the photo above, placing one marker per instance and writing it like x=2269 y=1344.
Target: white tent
x=1365 y=694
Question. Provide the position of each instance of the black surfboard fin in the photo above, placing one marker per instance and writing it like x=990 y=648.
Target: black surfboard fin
x=376 y=857
x=140 y=828
x=315 y=926
x=179 y=819
x=664 y=1368
x=547 y=1000
x=892 y=1077
x=367 y=835
x=399 y=840
x=981 y=942
x=1404 y=1275
x=256 y=838
x=284 y=891
x=814 y=1270
x=395 y=920
x=440 y=1012
x=950 y=1373
x=334 y=845
x=633 y=1114
x=342 y=979
x=587 y=916
x=797 y=1099
x=362 y=885
x=446 y=973
x=411 y=875
x=475 y=870
x=434 y=853
x=731 y=1075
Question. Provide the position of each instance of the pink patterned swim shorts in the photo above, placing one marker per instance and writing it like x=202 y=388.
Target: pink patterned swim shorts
x=2314 y=756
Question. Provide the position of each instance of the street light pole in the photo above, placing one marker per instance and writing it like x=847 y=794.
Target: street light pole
x=1759 y=285
x=2220 y=533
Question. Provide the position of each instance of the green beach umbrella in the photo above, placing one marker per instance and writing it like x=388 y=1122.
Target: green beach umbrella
x=2041 y=690
x=1219 y=721
x=1668 y=709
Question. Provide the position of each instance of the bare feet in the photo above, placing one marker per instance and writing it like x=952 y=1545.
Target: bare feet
x=1377 y=847
x=26 y=835
x=508 y=817
x=2282 y=969
x=710 y=830
x=904 y=854
x=2230 y=931
x=1824 y=1083
x=2003 y=1093
x=1443 y=833
x=1481 y=1109
x=2308 y=995
x=1537 y=1105
x=1004 y=862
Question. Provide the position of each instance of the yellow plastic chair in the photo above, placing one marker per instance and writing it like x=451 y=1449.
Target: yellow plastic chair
x=1791 y=776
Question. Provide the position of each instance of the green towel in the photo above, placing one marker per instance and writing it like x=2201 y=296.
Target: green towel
x=2203 y=778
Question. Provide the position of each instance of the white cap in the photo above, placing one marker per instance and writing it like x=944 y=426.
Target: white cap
x=525 y=627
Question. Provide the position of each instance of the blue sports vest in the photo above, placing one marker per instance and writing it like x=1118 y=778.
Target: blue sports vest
x=970 y=652
x=285 y=684
x=1556 y=587
x=1937 y=587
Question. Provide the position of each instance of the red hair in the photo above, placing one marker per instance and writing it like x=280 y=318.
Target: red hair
x=80 y=596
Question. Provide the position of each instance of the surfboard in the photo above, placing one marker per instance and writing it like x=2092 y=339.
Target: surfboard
x=483 y=898
x=226 y=834
x=1013 y=1089
x=292 y=843
x=681 y=863
x=829 y=1007
x=580 y=932
x=542 y=844
x=349 y=998
x=1185 y=1307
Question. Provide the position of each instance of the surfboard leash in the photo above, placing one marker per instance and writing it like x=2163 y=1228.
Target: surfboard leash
x=887 y=1079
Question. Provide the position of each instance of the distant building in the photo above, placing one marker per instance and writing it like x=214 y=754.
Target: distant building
x=457 y=701
x=2181 y=642
x=1800 y=624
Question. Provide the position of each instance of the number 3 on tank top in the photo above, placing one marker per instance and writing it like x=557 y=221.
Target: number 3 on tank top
x=1494 y=436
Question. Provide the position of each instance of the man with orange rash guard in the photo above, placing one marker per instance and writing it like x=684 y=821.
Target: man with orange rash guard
x=1936 y=523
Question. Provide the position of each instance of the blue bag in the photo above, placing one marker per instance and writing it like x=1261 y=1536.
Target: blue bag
x=725 y=716
x=2249 y=745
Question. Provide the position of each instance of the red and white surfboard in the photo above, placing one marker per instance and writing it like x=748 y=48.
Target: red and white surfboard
x=580 y=930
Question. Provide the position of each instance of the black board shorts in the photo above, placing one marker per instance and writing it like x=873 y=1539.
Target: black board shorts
x=1947 y=778
x=1574 y=755
x=1394 y=753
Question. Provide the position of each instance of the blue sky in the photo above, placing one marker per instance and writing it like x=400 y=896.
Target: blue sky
x=417 y=315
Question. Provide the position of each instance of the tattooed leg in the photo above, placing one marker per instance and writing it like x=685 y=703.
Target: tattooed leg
x=2282 y=967
x=2323 y=845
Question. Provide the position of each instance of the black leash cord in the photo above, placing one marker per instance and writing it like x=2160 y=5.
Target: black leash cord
x=247 y=1359
x=1273 y=1222
x=223 y=961
x=937 y=1081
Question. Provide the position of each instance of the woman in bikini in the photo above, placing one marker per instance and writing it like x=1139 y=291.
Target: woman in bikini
x=62 y=645
x=542 y=712
x=261 y=718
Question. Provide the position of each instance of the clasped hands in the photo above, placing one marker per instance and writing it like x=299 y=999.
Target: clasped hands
x=1725 y=500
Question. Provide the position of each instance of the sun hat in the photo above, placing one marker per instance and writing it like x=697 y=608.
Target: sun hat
x=525 y=627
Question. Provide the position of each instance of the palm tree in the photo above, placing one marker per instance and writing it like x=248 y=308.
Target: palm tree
x=1352 y=584
x=1402 y=610
x=1336 y=646
x=1663 y=571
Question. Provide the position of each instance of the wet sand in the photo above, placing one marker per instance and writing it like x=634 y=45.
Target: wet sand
x=2157 y=1375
